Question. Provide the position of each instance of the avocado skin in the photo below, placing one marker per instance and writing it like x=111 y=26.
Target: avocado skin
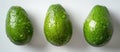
x=97 y=28
x=57 y=26
x=18 y=27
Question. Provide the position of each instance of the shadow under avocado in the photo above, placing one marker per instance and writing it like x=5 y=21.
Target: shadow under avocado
x=115 y=40
x=37 y=40
x=77 y=40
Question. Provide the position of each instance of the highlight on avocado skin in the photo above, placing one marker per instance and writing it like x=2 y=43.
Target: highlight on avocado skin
x=97 y=28
x=18 y=26
x=57 y=26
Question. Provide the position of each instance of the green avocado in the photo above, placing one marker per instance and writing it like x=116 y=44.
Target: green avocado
x=18 y=27
x=57 y=26
x=97 y=27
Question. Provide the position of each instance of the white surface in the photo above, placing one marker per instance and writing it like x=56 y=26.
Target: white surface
x=78 y=11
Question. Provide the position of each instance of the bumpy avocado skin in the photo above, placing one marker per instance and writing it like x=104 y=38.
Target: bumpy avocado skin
x=57 y=26
x=18 y=27
x=98 y=29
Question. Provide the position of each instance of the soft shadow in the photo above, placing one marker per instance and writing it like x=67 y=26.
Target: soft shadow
x=37 y=40
x=115 y=41
x=77 y=41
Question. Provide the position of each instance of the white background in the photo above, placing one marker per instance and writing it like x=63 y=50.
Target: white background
x=78 y=10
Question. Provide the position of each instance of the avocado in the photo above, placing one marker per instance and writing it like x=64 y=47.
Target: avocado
x=57 y=25
x=18 y=27
x=97 y=27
